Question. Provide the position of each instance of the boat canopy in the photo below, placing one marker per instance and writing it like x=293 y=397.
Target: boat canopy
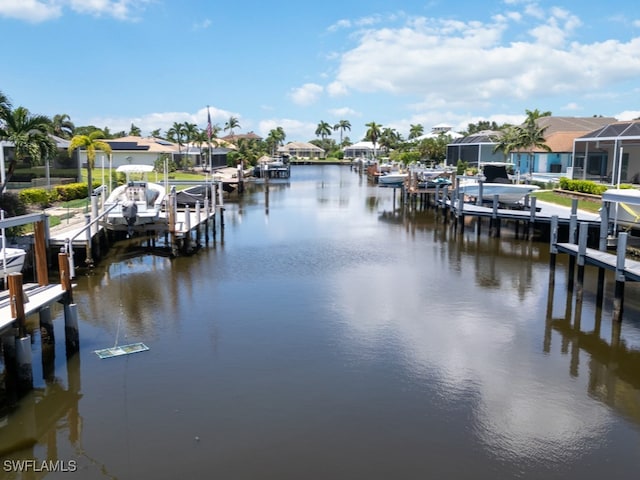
x=135 y=168
x=622 y=195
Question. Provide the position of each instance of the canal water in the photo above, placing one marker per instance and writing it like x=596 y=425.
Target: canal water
x=330 y=333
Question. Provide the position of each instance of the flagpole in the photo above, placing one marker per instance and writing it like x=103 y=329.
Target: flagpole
x=209 y=132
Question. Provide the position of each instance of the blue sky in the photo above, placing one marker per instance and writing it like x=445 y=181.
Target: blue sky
x=293 y=64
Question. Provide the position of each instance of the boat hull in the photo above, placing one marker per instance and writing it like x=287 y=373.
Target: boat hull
x=391 y=179
x=12 y=260
x=508 y=193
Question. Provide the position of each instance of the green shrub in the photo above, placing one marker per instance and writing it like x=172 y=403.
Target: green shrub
x=582 y=186
x=38 y=196
x=73 y=191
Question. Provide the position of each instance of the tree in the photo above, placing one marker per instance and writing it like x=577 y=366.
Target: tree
x=531 y=136
x=230 y=124
x=390 y=138
x=155 y=133
x=29 y=135
x=483 y=125
x=175 y=134
x=323 y=130
x=91 y=143
x=275 y=138
x=62 y=125
x=135 y=131
x=373 y=134
x=5 y=105
x=342 y=125
x=507 y=142
x=533 y=115
x=415 y=131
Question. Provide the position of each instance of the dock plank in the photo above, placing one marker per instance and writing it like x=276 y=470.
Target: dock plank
x=38 y=299
x=602 y=259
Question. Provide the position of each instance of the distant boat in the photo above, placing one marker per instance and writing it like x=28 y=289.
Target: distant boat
x=392 y=179
x=137 y=202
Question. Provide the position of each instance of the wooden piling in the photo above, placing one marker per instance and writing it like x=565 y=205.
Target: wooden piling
x=618 y=299
x=16 y=296
x=42 y=272
x=71 y=332
x=24 y=364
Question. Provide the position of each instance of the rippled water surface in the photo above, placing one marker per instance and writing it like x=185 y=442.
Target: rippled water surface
x=331 y=334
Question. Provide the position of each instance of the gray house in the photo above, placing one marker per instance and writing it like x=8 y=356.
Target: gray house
x=610 y=154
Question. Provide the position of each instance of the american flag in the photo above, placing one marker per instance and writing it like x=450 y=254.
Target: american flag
x=209 y=127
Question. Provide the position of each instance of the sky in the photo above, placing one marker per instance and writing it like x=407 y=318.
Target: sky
x=293 y=64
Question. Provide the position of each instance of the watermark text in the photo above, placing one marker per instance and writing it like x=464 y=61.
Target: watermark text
x=33 y=465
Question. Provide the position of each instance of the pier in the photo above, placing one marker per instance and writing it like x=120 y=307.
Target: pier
x=23 y=300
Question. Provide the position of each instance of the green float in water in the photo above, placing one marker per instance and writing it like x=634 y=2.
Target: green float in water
x=121 y=350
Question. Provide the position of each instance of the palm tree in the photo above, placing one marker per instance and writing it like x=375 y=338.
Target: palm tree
x=415 y=131
x=507 y=142
x=29 y=135
x=342 y=125
x=91 y=143
x=531 y=136
x=231 y=124
x=63 y=127
x=5 y=105
x=533 y=115
x=323 y=130
x=373 y=134
x=175 y=134
x=135 y=131
x=275 y=138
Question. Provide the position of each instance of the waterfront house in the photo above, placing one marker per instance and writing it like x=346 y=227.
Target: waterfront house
x=476 y=149
x=301 y=150
x=559 y=134
x=610 y=154
x=440 y=129
x=362 y=149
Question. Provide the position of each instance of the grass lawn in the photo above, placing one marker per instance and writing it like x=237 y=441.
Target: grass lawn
x=558 y=199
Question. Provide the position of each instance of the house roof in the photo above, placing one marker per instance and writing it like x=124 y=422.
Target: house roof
x=558 y=142
x=572 y=124
x=360 y=145
x=300 y=146
x=628 y=130
x=148 y=144
x=484 y=136
x=237 y=136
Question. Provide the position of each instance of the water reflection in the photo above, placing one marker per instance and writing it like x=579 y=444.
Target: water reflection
x=347 y=337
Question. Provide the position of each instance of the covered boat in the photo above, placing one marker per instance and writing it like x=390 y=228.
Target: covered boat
x=137 y=202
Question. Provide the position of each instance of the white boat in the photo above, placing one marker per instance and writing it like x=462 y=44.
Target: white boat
x=508 y=193
x=496 y=181
x=11 y=260
x=392 y=178
x=137 y=202
x=624 y=206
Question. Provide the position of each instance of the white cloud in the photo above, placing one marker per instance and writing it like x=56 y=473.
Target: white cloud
x=307 y=94
x=36 y=11
x=344 y=112
x=628 y=115
x=294 y=129
x=119 y=9
x=335 y=89
x=202 y=24
x=165 y=120
x=474 y=64
x=33 y=11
